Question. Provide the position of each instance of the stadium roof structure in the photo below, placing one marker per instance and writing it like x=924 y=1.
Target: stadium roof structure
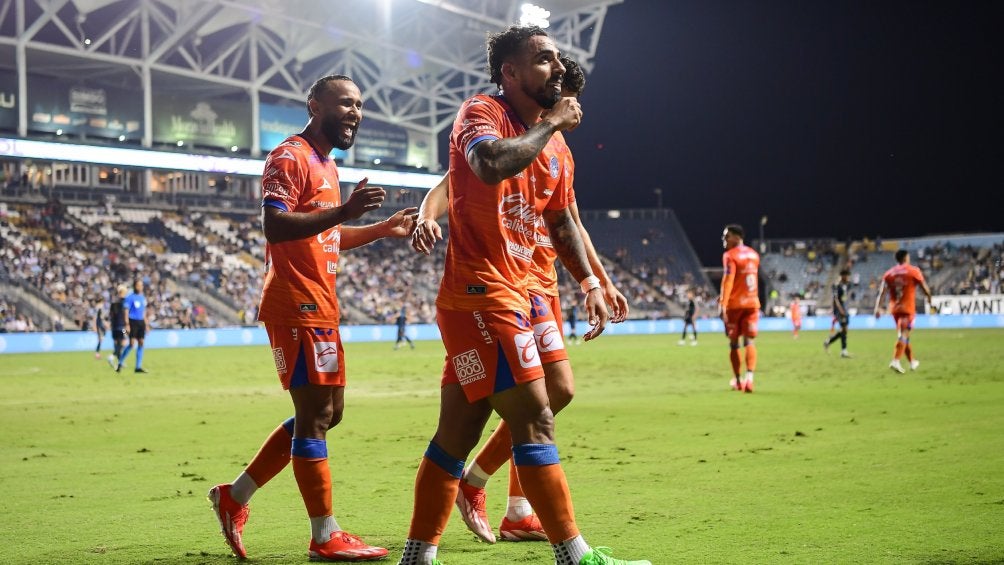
x=415 y=60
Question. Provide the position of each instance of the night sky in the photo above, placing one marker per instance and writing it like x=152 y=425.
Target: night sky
x=835 y=119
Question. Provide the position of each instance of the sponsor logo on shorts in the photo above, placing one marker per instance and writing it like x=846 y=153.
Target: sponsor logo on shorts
x=526 y=350
x=326 y=356
x=468 y=367
x=548 y=337
x=280 y=360
x=486 y=336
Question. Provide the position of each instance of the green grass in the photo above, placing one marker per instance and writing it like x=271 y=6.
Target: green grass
x=830 y=461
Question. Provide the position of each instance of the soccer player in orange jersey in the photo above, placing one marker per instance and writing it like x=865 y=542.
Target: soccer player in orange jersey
x=520 y=523
x=901 y=283
x=739 y=303
x=302 y=217
x=505 y=177
x=796 y=316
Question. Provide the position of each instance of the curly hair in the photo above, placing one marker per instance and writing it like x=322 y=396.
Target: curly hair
x=505 y=44
x=318 y=86
x=574 y=79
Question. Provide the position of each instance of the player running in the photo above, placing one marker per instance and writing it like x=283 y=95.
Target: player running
x=505 y=177
x=739 y=303
x=901 y=283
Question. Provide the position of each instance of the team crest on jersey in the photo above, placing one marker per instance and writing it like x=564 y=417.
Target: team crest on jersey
x=555 y=171
x=324 y=185
x=326 y=356
x=285 y=155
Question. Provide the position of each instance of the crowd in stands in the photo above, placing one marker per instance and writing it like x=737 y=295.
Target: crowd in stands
x=76 y=261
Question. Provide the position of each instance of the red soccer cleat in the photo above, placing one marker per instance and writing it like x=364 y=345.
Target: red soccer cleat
x=471 y=503
x=232 y=517
x=747 y=386
x=527 y=529
x=344 y=546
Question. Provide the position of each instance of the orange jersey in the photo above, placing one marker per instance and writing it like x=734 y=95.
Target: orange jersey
x=739 y=279
x=902 y=281
x=299 y=288
x=544 y=277
x=493 y=228
x=796 y=312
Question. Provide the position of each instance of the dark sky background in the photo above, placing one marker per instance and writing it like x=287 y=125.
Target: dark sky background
x=835 y=119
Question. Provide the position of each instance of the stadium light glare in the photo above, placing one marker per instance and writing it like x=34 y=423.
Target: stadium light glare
x=532 y=14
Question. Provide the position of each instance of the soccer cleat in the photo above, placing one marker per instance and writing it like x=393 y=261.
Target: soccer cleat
x=844 y=354
x=97 y=355
x=471 y=503
x=826 y=345
x=112 y=361
x=118 y=368
x=232 y=517
x=601 y=556
x=747 y=385
x=344 y=546
x=527 y=529
x=141 y=370
x=736 y=384
x=681 y=342
x=434 y=562
x=895 y=366
x=914 y=364
x=693 y=343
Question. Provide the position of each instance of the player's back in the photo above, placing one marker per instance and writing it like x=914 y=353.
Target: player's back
x=901 y=281
x=744 y=264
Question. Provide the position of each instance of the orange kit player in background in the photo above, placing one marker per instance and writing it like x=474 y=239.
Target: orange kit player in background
x=796 y=316
x=501 y=152
x=901 y=282
x=520 y=523
x=302 y=217
x=739 y=302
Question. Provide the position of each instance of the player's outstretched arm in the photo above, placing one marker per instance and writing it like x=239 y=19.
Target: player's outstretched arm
x=280 y=225
x=399 y=224
x=616 y=301
x=568 y=244
x=435 y=204
x=878 y=300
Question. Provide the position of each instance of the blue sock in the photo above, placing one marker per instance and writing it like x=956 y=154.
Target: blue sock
x=139 y=356
x=125 y=353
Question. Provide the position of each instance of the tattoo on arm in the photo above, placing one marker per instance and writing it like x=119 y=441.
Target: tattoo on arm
x=495 y=161
x=567 y=242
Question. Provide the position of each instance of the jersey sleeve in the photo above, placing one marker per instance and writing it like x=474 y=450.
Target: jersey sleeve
x=479 y=121
x=282 y=181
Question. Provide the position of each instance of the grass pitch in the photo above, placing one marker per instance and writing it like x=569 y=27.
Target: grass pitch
x=830 y=461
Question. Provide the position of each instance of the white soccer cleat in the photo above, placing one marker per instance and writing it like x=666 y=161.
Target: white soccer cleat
x=471 y=504
x=895 y=366
x=914 y=364
x=681 y=342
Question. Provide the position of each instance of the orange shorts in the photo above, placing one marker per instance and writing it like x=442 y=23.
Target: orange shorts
x=741 y=322
x=488 y=351
x=307 y=355
x=904 y=320
x=545 y=316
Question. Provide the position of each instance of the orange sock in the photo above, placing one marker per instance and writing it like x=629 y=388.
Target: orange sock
x=751 y=357
x=514 y=487
x=313 y=476
x=273 y=456
x=734 y=358
x=435 y=490
x=496 y=451
x=900 y=346
x=543 y=480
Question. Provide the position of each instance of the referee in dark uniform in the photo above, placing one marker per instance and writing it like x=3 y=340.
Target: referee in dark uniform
x=841 y=291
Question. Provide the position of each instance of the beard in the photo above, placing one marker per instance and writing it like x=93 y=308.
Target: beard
x=332 y=130
x=545 y=97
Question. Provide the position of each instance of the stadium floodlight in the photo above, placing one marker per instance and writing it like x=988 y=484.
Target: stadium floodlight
x=532 y=14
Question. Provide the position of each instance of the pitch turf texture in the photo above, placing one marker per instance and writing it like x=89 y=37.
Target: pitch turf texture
x=830 y=461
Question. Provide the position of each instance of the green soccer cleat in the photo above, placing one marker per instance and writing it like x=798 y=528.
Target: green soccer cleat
x=601 y=556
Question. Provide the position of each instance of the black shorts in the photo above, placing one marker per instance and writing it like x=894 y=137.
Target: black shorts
x=119 y=333
x=842 y=320
x=688 y=321
x=137 y=329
